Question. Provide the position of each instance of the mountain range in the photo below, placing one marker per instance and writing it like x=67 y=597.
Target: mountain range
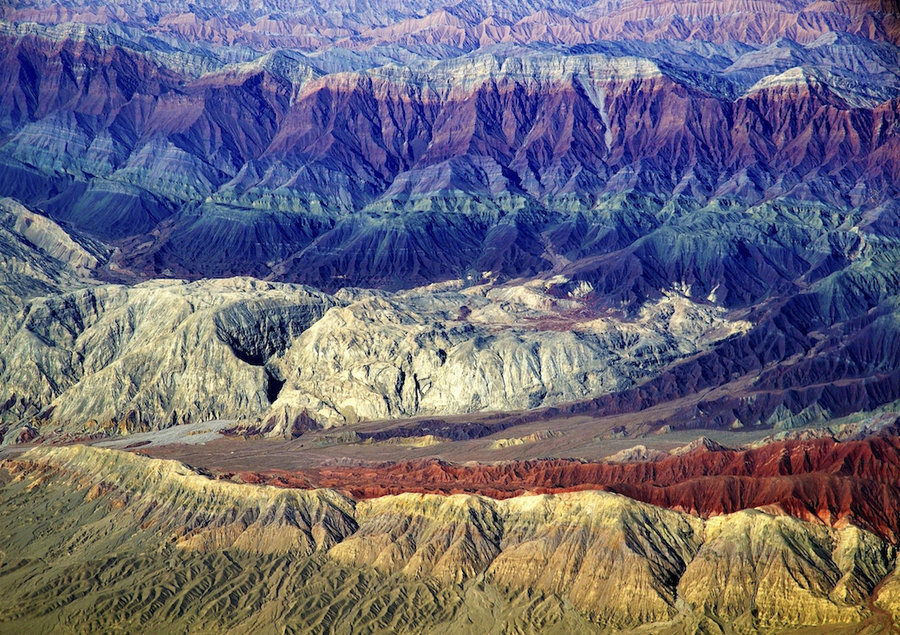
x=554 y=315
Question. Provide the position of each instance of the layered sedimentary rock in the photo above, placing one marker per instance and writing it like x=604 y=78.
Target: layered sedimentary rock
x=452 y=28
x=583 y=561
x=655 y=216
x=820 y=481
x=581 y=545
x=401 y=168
x=37 y=257
x=573 y=545
x=164 y=353
x=449 y=538
x=195 y=512
x=742 y=156
x=797 y=570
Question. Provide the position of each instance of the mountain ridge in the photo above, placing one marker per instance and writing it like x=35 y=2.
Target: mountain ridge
x=660 y=554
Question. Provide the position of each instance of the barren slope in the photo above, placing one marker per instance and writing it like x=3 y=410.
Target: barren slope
x=173 y=549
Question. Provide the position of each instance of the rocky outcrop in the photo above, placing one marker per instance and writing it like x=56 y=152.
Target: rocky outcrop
x=111 y=357
x=37 y=257
x=158 y=354
x=191 y=510
x=451 y=538
x=775 y=570
x=555 y=346
x=616 y=560
x=820 y=481
x=534 y=437
x=381 y=168
x=482 y=348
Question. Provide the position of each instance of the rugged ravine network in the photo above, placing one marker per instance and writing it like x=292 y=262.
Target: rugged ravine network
x=612 y=562
x=542 y=316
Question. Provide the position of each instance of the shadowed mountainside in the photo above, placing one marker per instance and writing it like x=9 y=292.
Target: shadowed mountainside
x=340 y=168
x=740 y=156
x=563 y=221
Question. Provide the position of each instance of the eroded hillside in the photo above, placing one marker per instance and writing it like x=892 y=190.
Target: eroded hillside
x=106 y=539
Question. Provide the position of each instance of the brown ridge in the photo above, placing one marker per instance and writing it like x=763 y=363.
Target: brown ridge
x=819 y=480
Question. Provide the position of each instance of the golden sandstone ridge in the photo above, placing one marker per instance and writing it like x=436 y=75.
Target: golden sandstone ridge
x=103 y=539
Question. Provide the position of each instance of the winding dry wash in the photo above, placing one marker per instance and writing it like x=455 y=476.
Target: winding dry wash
x=466 y=316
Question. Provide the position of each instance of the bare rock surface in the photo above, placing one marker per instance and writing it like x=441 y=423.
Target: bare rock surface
x=161 y=353
x=593 y=560
x=482 y=348
x=38 y=256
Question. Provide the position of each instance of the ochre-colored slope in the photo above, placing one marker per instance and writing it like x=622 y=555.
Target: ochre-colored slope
x=105 y=540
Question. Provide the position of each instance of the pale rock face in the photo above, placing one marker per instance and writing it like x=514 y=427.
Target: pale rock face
x=887 y=596
x=46 y=235
x=153 y=355
x=783 y=571
x=534 y=437
x=167 y=352
x=460 y=76
x=451 y=538
x=637 y=454
x=197 y=512
x=617 y=560
x=36 y=256
x=480 y=349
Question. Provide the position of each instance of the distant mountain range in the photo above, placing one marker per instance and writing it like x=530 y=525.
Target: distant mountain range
x=376 y=146
x=743 y=156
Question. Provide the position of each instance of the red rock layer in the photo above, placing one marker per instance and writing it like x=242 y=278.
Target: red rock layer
x=855 y=481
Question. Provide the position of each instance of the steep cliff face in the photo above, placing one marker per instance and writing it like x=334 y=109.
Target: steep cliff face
x=667 y=162
x=153 y=355
x=616 y=560
x=820 y=480
x=398 y=167
x=773 y=570
x=451 y=538
x=583 y=561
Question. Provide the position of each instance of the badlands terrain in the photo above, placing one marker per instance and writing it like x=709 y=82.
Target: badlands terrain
x=470 y=316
